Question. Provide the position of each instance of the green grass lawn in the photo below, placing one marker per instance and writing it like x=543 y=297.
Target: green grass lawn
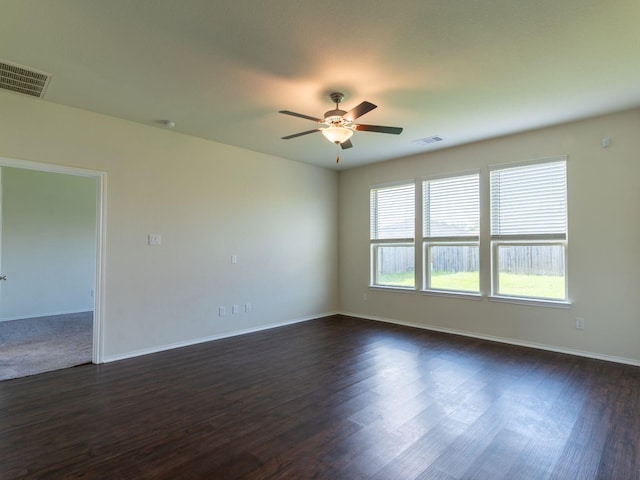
x=405 y=279
x=464 y=281
x=543 y=286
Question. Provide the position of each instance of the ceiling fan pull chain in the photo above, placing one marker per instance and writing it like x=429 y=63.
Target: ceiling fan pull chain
x=337 y=152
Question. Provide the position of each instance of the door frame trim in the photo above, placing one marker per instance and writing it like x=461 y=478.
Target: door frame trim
x=101 y=223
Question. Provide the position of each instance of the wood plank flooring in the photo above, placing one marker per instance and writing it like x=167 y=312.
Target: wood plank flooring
x=337 y=398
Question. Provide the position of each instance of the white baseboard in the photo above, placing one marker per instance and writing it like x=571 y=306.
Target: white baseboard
x=510 y=341
x=195 y=341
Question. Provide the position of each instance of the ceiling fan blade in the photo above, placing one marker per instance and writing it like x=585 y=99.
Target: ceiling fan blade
x=379 y=129
x=301 y=115
x=301 y=133
x=346 y=144
x=364 y=107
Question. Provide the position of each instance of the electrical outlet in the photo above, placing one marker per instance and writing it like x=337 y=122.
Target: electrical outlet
x=222 y=311
x=247 y=307
x=580 y=323
x=235 y=309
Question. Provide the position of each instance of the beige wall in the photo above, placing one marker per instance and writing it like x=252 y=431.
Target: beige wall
x=604 y=238
x=208 y=201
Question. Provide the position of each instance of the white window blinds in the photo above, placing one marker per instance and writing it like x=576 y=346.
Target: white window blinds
x=393 y=212
x=451 y=207
x=529 y=200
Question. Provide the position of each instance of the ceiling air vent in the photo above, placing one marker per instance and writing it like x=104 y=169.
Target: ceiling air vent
x=428 y=140
x=22 y=80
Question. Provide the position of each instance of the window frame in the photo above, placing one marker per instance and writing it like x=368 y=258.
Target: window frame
x=452 y=241
x=538 y=239
x=376 y=243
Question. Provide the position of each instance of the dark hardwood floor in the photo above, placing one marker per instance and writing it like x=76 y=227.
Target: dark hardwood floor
x=337 y=398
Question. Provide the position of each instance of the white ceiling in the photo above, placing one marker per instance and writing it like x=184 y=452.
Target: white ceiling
x=465 y=70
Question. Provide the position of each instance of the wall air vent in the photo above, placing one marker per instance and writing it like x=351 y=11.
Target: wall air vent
x=428 y=140
x=22 y=80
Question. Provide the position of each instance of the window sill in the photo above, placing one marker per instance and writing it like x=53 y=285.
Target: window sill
x=392 y=289
x=531 y=301
x=452 y=294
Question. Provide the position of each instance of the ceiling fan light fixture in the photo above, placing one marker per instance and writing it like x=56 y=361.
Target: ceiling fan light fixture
x=337 y=134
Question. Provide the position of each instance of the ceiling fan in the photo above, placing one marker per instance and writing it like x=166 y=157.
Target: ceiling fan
x=338 y=126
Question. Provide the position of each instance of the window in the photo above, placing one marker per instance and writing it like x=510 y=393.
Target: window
x=392 y=236
x=451 y=229
x=529 y=230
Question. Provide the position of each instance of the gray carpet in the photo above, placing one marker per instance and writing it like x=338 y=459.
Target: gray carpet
x=36 y=345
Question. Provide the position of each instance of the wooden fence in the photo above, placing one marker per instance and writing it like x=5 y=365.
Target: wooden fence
x=522 y=260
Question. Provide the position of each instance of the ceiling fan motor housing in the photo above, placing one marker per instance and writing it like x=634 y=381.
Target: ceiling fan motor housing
x=334 y=117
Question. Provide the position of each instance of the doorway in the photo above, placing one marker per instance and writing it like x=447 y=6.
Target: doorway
x=51 y=253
